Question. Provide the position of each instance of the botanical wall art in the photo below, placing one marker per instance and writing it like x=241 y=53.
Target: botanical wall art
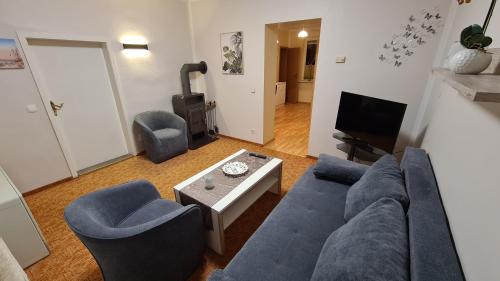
x=232 y=52
x=9 y=55
x=417 y=31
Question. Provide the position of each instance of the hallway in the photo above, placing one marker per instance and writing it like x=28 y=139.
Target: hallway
x=292 y=123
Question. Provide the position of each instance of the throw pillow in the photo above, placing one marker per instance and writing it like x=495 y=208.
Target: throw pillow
x=382 y=179
x=340 y=170
x=371 y=246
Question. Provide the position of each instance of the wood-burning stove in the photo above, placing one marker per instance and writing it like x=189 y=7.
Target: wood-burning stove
x=191 y=107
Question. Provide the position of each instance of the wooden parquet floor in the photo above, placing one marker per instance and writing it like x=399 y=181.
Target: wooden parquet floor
x=292 y=124
x=69 y=260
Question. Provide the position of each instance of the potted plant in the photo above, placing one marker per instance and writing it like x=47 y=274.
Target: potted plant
x=470 y=57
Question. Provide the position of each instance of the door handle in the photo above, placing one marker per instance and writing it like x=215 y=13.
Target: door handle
x=56 y=107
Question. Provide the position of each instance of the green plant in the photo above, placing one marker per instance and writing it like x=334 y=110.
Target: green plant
x=473 y=37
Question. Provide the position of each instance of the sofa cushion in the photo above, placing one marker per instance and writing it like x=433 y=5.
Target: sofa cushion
x=371 y=246
x=153 y=210
x=336 y=169
x=382 y=179
x=288 y=243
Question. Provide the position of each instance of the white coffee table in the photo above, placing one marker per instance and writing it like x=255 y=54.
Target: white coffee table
x=231 y=196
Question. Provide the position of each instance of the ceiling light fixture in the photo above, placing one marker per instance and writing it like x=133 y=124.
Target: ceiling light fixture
x=303 y=33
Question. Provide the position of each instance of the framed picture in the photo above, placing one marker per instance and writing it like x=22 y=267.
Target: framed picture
x=9 y=55
x=232 y=52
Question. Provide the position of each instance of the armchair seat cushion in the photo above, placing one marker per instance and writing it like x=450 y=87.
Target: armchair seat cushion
x=149 y=212
x=167 y=133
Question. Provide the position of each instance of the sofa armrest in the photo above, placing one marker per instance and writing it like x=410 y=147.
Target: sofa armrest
x=219 y=275
x=335 y=169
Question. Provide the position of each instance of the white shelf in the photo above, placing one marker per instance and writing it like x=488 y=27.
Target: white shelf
x=478 y=88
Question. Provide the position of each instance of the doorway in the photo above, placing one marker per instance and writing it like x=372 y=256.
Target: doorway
x=77 y=86
x=290 y=61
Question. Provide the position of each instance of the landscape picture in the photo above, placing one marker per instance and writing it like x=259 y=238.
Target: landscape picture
x=9 y=55
x=232 y=52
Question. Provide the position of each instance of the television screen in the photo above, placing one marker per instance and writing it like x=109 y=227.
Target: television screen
x=370 y=120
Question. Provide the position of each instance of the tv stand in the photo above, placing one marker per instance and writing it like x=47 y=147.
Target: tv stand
x=357 y=149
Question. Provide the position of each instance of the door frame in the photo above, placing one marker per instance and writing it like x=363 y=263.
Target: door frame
x=116 y=87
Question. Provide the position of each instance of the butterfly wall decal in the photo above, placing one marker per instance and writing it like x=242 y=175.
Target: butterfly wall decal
x=410 y=27
x=416 y=32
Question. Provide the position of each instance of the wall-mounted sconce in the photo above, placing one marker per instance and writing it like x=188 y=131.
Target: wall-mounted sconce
x=135 y=46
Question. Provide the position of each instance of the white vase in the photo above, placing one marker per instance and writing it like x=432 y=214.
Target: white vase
x=454 y=48
x=470 y=61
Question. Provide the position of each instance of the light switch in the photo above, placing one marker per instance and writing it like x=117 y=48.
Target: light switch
x=340 y=60
x=252 y=91
x=31 y=108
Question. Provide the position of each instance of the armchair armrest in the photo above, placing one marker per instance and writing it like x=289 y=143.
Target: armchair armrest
x=336 y=169
x=173 y=243
x=118 y=201
x=175 y=121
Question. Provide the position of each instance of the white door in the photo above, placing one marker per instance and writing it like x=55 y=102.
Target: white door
x=75 y=74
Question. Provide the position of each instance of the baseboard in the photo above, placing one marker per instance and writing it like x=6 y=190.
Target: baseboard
x=233 y=138
x=45 y=187
x=80 y=173
x=311 y=157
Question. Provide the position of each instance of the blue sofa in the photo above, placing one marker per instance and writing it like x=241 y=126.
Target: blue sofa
x=289 y=242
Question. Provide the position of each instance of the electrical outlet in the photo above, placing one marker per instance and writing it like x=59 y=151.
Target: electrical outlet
x=252 y=131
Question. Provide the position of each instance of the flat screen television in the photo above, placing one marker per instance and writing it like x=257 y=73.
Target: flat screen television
x=370 y=120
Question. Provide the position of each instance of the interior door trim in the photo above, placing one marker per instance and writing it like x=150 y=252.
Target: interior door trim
x=110 y=61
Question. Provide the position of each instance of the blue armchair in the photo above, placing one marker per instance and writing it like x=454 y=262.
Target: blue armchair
x=164 y=134
x=134 y=235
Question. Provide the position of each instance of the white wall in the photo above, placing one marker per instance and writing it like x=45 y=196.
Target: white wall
x=356 y=29
x=27 y=142
x=462 y=140
x=460 y=17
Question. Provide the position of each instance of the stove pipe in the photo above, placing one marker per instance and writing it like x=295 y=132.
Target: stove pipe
x=185 y=70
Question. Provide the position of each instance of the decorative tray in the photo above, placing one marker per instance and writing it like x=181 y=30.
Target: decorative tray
x=235 y=169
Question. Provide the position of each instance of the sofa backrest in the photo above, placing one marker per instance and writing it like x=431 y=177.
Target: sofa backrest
x=432 y=252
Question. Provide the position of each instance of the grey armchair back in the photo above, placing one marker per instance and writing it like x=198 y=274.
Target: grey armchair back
x=164 y=134
x=134 y=235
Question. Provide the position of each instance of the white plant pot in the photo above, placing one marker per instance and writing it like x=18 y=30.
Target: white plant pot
x=454 y=48
x=469 y=61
